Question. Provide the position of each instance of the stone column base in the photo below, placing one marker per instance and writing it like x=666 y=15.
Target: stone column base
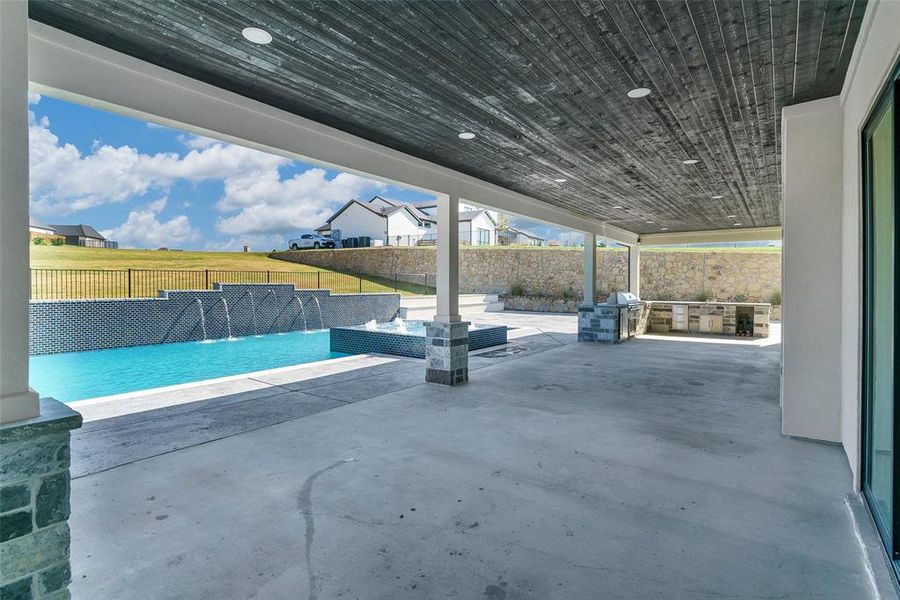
x=447 y=352
x=34 y=504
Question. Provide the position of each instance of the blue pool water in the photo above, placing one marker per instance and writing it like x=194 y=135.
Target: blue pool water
x=81 y=375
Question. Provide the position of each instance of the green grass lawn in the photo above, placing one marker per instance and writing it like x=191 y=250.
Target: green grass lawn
x=104 y=273
x=75 y=257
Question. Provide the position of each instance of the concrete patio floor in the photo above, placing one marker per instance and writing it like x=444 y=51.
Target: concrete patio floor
x=652 y=469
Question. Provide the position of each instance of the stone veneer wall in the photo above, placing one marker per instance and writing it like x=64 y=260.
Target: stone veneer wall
x=551 y=271
x=75 y=325
x=34 y=504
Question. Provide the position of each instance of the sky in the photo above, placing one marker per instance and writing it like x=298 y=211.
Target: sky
x=148 y=186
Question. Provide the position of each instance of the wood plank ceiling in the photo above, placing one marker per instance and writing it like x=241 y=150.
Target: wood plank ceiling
x=542 y=83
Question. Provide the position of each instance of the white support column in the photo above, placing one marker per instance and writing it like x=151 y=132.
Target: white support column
x=447 y=338
x=634 y=269
x=811 y=166
x=17 y=400
x=590 y=269
x=448 y=256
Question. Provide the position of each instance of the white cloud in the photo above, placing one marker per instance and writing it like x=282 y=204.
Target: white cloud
x=266 y=204
x=196 y=142
x=33 y=97
x=63 y=180
x=143 y=229
x=256 y=200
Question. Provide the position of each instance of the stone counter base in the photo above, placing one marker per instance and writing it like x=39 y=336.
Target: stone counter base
x=726 y=318
x=601 y=322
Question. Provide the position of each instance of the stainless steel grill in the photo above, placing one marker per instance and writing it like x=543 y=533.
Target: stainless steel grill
x=630 y=307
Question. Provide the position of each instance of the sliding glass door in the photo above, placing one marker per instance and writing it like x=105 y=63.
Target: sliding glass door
x=881 y=437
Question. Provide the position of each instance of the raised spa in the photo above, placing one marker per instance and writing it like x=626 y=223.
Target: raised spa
x=404 y=338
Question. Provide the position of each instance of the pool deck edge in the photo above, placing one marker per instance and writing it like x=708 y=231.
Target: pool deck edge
x=115 y=405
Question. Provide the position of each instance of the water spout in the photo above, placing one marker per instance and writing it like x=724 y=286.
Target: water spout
x=253 y=312
x=300 y=312
x=227 y=317
x=319 y=306
x=202 y=318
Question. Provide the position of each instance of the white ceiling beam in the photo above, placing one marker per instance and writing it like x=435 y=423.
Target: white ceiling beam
x=71 y=68
x=749 y=234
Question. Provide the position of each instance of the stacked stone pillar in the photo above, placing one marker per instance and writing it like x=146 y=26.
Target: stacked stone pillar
x=34 y=504
x=447 y=352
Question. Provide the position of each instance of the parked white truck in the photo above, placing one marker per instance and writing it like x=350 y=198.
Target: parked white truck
x=311 y=240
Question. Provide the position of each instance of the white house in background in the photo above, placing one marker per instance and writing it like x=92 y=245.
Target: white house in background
x=397 y=223
x=510 y=236
x=38 y=229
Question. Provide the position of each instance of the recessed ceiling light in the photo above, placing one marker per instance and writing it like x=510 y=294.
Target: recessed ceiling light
x=649 y=222
x=638 y=93
x=717 y=197
x=730 y=216
x=466 y=135
x=738 y=224
x=617 y=207
x=560 y=180
x=256 y=35
x=690 y=161
x=663 y=228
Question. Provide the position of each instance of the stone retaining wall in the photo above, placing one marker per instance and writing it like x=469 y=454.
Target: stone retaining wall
x=723 y=276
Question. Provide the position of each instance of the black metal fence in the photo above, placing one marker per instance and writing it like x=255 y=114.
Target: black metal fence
x=58 y=284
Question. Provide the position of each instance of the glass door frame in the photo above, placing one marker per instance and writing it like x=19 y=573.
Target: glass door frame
x=889 y=532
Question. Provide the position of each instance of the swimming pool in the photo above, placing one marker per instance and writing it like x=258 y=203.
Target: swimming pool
x=82 y=375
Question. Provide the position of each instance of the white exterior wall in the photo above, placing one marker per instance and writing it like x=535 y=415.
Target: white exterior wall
x=465 y=232
x=811 y=272
x=482 y=221
x=877 y=51
x=402 y=224
x=357 y=221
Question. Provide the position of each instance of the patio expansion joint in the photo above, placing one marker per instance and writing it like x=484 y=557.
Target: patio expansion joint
x=273 y=385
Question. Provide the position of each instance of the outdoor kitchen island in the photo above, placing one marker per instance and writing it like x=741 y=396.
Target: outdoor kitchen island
x=749 y=319
x=624 y=316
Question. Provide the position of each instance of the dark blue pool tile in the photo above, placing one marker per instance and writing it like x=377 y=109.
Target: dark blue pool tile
x=359 y=340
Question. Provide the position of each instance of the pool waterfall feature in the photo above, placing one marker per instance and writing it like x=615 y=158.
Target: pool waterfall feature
x=229 y=310
x=203 y=314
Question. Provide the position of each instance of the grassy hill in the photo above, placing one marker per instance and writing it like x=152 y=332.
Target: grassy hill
x=102 y=273
x=75 y=257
